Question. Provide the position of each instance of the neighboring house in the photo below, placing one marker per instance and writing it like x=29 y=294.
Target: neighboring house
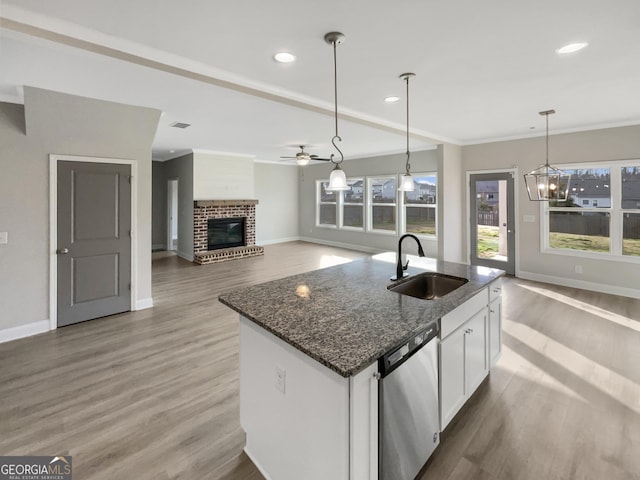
x=591 y=192
x=488 y=192
x=356 y=189
x=425 y=192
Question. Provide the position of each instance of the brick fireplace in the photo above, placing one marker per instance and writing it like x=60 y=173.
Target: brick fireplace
x=203 y=210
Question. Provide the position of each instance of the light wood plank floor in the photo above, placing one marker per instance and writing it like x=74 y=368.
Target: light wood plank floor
x=154 y=394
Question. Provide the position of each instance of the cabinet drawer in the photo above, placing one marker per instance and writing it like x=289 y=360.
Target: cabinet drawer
x=495 y=289
x=464 y=312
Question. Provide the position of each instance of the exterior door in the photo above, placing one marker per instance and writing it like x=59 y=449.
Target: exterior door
x=492 y=223
x=94 y=243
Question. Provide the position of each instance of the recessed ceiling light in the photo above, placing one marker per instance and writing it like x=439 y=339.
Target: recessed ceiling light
x=571 y=48
x=391 y=99
x=284 y=57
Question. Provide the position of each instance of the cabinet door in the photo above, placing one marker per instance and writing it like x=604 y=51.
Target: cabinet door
x=475 y=354
x=451 y=376
x=495 y=330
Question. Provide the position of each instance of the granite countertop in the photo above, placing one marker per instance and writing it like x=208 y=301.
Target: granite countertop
x=343 y=316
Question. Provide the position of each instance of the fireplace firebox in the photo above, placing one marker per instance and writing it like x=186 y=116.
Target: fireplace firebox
x=225 y=233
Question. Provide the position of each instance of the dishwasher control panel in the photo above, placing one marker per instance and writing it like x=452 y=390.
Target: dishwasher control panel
x=390 y=361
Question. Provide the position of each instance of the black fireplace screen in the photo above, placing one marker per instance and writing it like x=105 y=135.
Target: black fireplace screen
x=225 y=233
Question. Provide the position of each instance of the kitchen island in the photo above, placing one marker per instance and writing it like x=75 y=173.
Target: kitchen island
x=309 y=350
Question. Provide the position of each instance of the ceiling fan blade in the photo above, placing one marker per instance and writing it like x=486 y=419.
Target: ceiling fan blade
x=315 y=157
x=288 y=157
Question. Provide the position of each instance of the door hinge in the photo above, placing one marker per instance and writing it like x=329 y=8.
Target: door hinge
x=129 y=233
x=129 y=286
x=130 y=177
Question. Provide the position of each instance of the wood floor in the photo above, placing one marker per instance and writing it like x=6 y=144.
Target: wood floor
x=154 y=394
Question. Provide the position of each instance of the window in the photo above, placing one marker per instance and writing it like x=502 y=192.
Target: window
x=602 y=213
x=630 y=210
x=420 y=205
x=382 y=193
x=326 y=201
x=353 y=204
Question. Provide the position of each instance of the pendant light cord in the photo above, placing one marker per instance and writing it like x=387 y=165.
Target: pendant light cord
x=547 y=136
x=335 y=104
x=408 y=166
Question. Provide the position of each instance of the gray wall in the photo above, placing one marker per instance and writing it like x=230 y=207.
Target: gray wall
x=425 y=161
x=158 y=212
x=57 y=123
x=182 y=169
x=276 y=188
x=592 y=146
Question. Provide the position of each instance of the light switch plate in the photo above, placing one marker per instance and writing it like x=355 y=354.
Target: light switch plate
x=4 y=238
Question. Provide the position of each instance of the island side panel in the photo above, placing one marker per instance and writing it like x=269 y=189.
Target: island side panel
x=303 y=431
x=364 y=424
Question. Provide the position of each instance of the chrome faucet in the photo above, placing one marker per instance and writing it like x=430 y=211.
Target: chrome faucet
x=401 y=268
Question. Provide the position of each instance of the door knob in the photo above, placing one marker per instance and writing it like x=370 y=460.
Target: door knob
x=62 y=251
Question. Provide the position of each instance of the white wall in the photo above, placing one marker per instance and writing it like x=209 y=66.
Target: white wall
x=425 y=161
x=526 y=154
x=57 y=123
x=276 y=189
x=222 y=177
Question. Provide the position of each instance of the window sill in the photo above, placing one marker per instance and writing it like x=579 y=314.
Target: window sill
x=565 y=252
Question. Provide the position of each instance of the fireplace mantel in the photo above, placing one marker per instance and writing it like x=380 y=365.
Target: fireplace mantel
x=223 y=203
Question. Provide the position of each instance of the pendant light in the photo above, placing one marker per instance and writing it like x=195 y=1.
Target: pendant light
x=546 y=182
x=406 y=181
x=337 y=179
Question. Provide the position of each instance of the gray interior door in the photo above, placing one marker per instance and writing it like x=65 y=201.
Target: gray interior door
x=492 y=223
x=94 y=243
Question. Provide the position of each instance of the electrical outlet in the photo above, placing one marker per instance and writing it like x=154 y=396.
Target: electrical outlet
x=281 y=379
x=4 y=237
x=578 y=268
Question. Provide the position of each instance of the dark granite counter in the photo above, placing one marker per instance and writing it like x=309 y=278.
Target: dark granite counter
x=343 y=316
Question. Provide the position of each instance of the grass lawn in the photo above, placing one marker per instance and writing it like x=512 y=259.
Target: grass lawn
x=487 y=241
x=588 y=243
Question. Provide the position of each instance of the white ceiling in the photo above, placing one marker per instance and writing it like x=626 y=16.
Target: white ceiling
x=484 y=69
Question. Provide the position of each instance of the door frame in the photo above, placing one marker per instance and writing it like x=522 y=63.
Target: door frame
x=169 y=240
x=53 y=226
x=516 y=206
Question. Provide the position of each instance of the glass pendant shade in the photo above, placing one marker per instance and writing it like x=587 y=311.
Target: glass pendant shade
x=337 y=180
x=547 y=183
x=406 y=183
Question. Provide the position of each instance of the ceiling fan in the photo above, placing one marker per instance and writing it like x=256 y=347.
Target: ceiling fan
x=303 y=158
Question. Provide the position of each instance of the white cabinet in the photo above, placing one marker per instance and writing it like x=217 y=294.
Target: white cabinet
x=495 y=322
x=463 y=355
x=303 y=420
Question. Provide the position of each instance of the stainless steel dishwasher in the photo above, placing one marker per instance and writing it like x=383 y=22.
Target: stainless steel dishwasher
x=409 y=424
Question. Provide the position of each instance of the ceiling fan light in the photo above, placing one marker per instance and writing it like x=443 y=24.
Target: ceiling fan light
x=406 y=183
x=337 y=180
x=302 y=161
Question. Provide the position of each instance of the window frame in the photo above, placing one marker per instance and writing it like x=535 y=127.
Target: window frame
x=342 y=204
x=615 y=211
x=319 y=204
x=404 y=204
x=370 y=204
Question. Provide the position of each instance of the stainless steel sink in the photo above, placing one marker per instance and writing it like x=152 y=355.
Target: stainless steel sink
x=429 y=285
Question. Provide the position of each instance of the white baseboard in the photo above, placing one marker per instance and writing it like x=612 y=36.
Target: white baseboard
x=158 y=246
x=359 y=248
x=278 y=240
x=22 y=331
x=570 y=282
x=144 y=303
x=256 y=463
x=186 y=256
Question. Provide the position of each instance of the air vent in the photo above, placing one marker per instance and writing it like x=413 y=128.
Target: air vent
x=179 y=125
